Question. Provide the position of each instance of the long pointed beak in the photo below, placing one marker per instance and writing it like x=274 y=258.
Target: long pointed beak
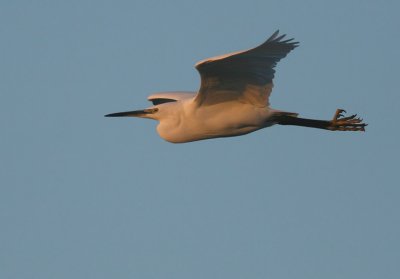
x=133 y=113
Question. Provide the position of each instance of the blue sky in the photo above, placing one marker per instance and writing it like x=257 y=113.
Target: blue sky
x=83 y=196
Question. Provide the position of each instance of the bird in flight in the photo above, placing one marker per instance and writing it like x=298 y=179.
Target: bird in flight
x=233 y=99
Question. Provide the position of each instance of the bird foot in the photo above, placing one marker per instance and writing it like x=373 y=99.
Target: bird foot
x=349 y=123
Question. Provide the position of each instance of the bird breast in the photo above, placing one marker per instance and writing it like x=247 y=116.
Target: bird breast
x=184 y=122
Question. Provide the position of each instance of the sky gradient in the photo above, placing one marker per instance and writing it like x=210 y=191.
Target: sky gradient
x=83 y=196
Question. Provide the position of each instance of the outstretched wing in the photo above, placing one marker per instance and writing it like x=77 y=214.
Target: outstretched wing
x=245 y=75
x=172 y=96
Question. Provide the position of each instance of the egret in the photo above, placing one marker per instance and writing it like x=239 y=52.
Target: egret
x=233 y=99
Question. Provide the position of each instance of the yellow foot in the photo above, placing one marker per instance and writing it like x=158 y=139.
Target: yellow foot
x=349 y=123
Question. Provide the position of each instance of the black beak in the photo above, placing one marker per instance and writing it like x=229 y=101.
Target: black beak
x=134 y=113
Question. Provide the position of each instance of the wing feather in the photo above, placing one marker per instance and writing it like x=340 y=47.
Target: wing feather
x=245 y=75
x=172 y=96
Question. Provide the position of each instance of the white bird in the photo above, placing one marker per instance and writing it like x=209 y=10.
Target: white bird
x=233 y=99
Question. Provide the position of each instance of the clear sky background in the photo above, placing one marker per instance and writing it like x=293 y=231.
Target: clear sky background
x=83 y=196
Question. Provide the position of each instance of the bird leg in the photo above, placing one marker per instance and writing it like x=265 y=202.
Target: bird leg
x=338 y=123
x=349 y=123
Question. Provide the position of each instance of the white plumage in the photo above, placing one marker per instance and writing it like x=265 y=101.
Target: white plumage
x=233 y=99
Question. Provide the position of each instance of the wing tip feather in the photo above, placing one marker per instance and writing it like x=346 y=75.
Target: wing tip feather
x=274 y=38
